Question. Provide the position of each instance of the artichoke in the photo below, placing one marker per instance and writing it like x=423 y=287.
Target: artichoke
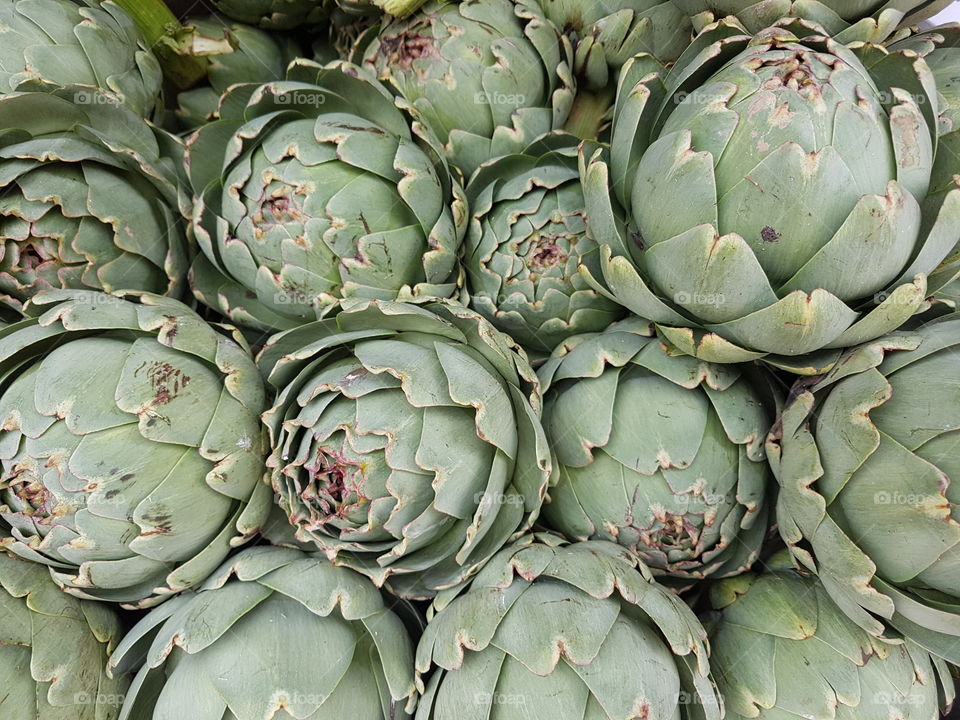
x=604 y=35
x=526 y=240
x=406 y=440
x=944 y=61
x=548 y=630
x=56 y=43
x=663 y=455
x=866 y=454
x=54 y=649
x=272 y=634
x=833 y=16
x=273 y=14
x=89 y=198
x=781 y=650
x=132 y=454
x=488 y=76
x=257 y=56
x=813 y=205
x=312 y=189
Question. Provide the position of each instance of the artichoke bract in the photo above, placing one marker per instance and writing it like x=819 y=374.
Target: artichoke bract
x=781 y=649
x=867 y=453
x=488 y=76
x=406 y=440
x=257 y=56
x=801 y=175
x=90 y=198
x=549 y=630
x=132 y=455
x=54 y=650
x=273 y=634
x=944 y=61
x=526 y=240
x=833 y=16
x=55 y=43
x=663 y=455
x=315 y=188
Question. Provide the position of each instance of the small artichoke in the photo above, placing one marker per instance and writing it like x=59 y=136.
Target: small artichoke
x=867 y=464
x=488 y=76
x=526 y=240
x=808 y=208
x=313 y=189
x=54 y=650
x=663 y=455
x=273 y=14
x=548 y=630
x=257 y=57
x=781 y=650
x=95 y=45
x=406 y=440
x=89 y=198
x=272 y=634
x=132 y=454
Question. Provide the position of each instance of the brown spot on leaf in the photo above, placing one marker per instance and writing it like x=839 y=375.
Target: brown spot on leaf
x=769 y=235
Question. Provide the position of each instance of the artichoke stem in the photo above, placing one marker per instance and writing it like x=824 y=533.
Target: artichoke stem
x=170 y=41
x=589 y=114
x=399 y=8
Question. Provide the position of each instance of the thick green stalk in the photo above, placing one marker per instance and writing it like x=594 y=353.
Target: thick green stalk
x=399 y=8
x=168 y=39
x=589 y=114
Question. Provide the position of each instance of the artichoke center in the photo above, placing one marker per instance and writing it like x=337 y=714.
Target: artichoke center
x=25 y=493
x=281 y=207
x=670 y=531
x=404 y=49
x=334 y=487
x=546 y=253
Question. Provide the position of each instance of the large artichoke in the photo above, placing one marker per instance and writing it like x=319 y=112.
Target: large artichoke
x=257 y=56
x=313 y=189
x=867 y=463
x=805 y=203
x=132 y=453
x=661 y=454
x=489 y=76
x=89 y=198
x=273 y=634
x=406 y=440
x=55 y=43
x=782 y=650
x=526 y=240
x=548 y=630
x=54 y=649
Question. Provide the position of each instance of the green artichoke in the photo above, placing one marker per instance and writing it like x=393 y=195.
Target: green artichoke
x=782 y=650
x=89 y=198
x=833 y=16
x=604 y=35
x=406 y=440
x=272 y=634
x=865 y=455
x=661 y=454
x=56 y=43
x=132 y=454
x=257 y=57
x=54 y=649
x=548 y=630
x=807 y=205
x=273 y=14
x=526 y=240
x=313 y=189
x=488 y=76
x=944 y=61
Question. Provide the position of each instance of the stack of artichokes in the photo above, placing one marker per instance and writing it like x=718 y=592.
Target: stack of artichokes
x=479 y=360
